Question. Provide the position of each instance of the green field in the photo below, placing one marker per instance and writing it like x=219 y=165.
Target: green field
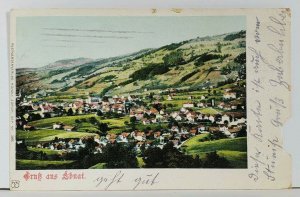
x=48 y=135
x=45 y=150
x=113 y=123
x=178 y=103
x=234 y=150
x=152 y=126
x=141 y=162
x=210 y=111
x=23 y=164
x=99 y=166
x=236 y=158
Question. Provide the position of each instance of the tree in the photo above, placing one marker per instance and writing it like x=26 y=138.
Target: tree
x=103 y=127
x=213 y=160
x=146 y=116
x=87 y=161
x=47 y=115
x=93 y=120
x=242 y=132
x=132 y=119
x=33 y=117
x=70 y=112
x=119 y=155
x=99 y=113
x=132 y=122
x=169 y=157
x=135 y=83
x=174 y=58
x=219 y=47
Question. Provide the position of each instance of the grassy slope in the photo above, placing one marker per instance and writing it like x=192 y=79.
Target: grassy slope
x=39 y=164
x=47 y=135
x=209 y=110
x=45 y=150
x=141 y=162
x=82 y=127
x=235 y=150
x=122 y=70
x=236 y=144
x=172 y=77
x=99 y=166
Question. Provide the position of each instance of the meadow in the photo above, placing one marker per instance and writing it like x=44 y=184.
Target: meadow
x=41 y=164
x=48 y=135
x=85 y=125
x=234 y=150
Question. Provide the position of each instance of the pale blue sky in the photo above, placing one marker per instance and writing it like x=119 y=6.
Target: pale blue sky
x=43 y=40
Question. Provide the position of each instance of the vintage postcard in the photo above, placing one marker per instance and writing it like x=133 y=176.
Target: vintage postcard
x=129 y=99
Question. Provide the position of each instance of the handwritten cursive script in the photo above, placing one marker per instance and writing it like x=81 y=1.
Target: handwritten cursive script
x=146 y=180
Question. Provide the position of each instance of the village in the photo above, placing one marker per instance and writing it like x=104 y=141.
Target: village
x=147 y=125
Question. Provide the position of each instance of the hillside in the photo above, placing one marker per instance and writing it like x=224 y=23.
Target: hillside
x=197 y=63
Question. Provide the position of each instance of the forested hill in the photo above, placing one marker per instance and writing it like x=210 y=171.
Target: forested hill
x=195 y=63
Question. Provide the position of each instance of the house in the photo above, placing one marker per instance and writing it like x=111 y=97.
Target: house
x=157 y=134
x=213 y=129
x=174 y=114
x=46 y=108
x=225 y=118
x=174 y=129
x=184 y=130
x=122 y=138
x=211 y=118
x=118 y=108
x=183 y=110
x=169 y=98
x=139 y=116
x=57 y=125
x=149 y=134
x=191 y=114
x=188 y=105
x=233 y=106
x=223 y=128
x=146 y=121
x=140 y=136
x=201 y=104
x=229 y=95
x=178 y=118
x=132 y=98
x=201 y=128
x=221 y=105
x=227 y=107
x=159 y=117
x=28 y=128
x=77 y=104
x=118 y=100
x=69 y=128
x=161 y=140
x=241 y=120
x=175 y=142
x=191 y=119
x=234 y=131
x=193 y=131
x=153 y=120
x=154 y=111
x=200 y=117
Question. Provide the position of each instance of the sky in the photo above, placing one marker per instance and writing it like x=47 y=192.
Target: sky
x=44 y=40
